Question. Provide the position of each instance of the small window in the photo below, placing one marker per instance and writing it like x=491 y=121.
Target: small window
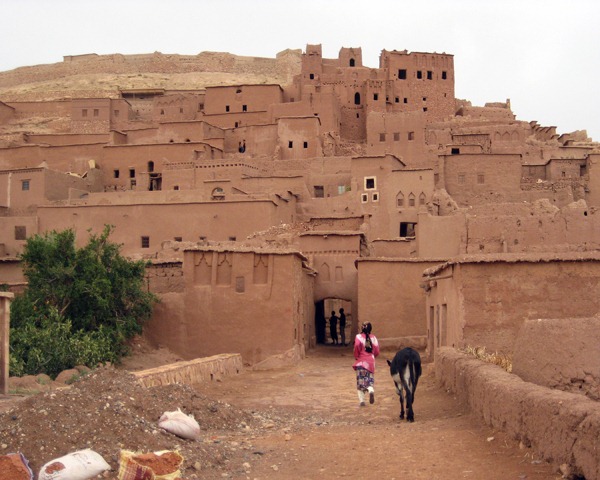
x=96 y=112
x=419 y=74
x=424 y=99
x=375 y=196
x=411 y=200
x=290 y=144
x=429 y=75
x=405 y=100
x=444 y=76
x=226 y=108
x=357 y=98
x=455 y=151
x=150 y=166
x=400 y=200
x=244 y=108
x=116 y=173
x=84 y=112
x=480 y=178
x=319 y=191
x=424 y=109
x=461 y=178
x=20 y=232
x=407 y=229
x=364 y=198
x=422 y=199
x=145 y=242
x=370 y=183
x=24 y=184
x=352 y=63
x=402 y=74
x=232 y=239
x=382 y=137
x=175 y=187
x=162 y=111
x=305 y=144
x=178 y=239
x=341 y=189
x=116 y=113
x=312 y=76
x=396 y=136
x=397 y=99
x=181 y=110
x=375 y=96
x=411 y=135
x=132 y=173
x=202 y=238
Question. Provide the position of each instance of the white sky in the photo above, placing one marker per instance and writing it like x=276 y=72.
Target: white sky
x=542 y=54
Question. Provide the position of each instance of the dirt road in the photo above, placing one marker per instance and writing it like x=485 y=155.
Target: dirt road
x=445 y=441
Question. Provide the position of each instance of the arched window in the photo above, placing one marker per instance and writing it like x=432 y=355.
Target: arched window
x=218 y=194
x=352 y=62
x=357 y=98
x=422 y=199
x=411 y=200
x=400 y=199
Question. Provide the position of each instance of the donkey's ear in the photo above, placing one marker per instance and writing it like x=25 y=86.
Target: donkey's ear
x=389 y=363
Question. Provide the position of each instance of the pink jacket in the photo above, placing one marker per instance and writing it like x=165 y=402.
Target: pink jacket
x=363 y=358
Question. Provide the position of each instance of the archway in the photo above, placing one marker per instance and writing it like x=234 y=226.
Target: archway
x=323 y=313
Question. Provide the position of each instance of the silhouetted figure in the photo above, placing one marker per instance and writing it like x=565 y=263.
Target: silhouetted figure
x=342 y=327
x=333 y=328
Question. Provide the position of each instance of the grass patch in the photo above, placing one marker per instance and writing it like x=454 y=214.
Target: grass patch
x=501 y=359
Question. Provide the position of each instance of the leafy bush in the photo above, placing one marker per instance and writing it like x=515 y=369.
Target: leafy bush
x=80 y=307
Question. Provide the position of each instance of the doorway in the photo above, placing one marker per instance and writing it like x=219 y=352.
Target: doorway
x=323 y=313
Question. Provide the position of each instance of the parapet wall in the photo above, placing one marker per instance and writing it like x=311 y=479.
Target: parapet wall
x=563 y=428
x=200 y=370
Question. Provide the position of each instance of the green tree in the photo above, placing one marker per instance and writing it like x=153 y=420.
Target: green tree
x=80 y=307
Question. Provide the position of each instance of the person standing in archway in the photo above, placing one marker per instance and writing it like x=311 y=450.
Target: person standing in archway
x=342 y=327
x=333 y=328
x=366 y=348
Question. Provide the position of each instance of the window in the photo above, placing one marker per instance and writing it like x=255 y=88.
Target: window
x=96 y=112
x=411 y=135
x=397 y=99
x=424 y=99
x=132 y=173
x=116 y=173
x=312 y=76
x=218 y=194
x=352 y=63
x=84 y=112
x=244 y=108
x=411 y=200
x=419 y=74
x=357 y=98
x=407 y=229
x=422 y=199
x=429 y=75
x=375 y=196
x=375 y=96
x=226 y=108
x=396 y=136
x=319 y=191
x=290 y=144
x=162 y=111
x=181 y=110
x=175 y=187
x=480 y=178
x=405 y=100
x=455 y=151
x=232 y=239
x=341 y=189
x=382 y=137
x=150 y=166
x=402 y=74
x=444 y=76
x=305 y=144
x=370 y=183
x=424 y=109
x=461 y=178
x=145 y=242
x=400 y=199
x=364 y=198
x=178 y=239
x=20 y=232
x=24 y=184
x=116 y=113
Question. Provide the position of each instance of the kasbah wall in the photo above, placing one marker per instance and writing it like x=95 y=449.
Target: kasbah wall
x=291 y=187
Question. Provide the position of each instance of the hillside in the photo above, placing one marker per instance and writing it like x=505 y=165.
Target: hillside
x=103 y=75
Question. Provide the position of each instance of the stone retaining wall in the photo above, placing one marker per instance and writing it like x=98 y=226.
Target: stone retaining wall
x=563 y=428
x=193 y=371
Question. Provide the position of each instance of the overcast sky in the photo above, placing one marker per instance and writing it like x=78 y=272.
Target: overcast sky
x=542 y=54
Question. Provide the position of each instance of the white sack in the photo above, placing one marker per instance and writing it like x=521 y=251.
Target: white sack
x=80 y=465
x=180 y=424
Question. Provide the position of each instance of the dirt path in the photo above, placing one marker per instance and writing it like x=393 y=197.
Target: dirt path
x=445 y=442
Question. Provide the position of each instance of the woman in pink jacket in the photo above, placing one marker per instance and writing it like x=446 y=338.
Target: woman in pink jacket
x=366 y=348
